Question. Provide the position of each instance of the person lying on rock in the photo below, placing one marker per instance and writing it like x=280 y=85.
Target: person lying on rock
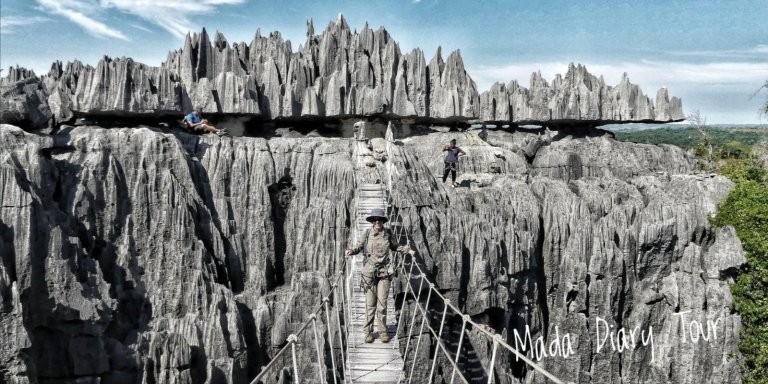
x=378 y=269
x=199 y=125
x=451 y=161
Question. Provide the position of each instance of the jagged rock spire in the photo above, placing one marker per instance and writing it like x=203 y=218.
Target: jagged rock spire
x=341 y=72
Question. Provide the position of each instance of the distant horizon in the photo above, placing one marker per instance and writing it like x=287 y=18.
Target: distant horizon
x=655 y=43
x=684 y=124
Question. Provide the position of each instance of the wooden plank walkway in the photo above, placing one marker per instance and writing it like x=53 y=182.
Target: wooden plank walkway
x=376 y=362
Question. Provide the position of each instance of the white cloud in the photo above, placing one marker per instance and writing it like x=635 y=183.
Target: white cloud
x=175 y=16
x=758 y=52
x=8 y=24
x=140 y=27
x=762 y=48
x=75 y=11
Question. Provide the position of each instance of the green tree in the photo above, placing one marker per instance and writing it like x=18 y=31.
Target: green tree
x=735 y=150
x=746 y=209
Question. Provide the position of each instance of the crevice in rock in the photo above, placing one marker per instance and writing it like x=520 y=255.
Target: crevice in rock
x=8 y=260
x=222 y=271
x=223 y=323
x=570 y=297
x=529 y=159
x=620 y=312
x=493 y=317
x=250 y=333
x=622 y=297
x=504 y=268
x=541 y=278
x=280 y=194
x=216 y=99
x=518 y=368
x=704 y=237
x=587 y=282
x=464 y=277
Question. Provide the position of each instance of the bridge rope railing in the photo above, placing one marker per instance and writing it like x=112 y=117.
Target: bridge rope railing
x=497 y=340
x=342 y=302
x=344 y=305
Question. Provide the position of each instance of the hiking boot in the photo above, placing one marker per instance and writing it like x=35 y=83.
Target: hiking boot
x=384 y=337
x=369 y=338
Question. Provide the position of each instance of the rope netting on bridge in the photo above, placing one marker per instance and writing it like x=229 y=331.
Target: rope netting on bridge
x=414 y=271
x=338 y=302
x=332 y=298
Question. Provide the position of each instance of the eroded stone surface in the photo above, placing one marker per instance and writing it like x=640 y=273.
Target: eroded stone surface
x=594 y=235
x=137 y=255
x=336 y=73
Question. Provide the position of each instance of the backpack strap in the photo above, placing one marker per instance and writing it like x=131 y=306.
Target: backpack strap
x=366 y=237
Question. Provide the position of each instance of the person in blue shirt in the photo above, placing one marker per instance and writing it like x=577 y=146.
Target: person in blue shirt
x=197 y=124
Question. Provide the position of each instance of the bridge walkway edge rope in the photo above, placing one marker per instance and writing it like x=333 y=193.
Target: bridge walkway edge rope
x=376 y=362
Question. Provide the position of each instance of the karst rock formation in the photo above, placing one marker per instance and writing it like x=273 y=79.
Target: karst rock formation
x=139 y=255
x=338 y=73
x=152 y=256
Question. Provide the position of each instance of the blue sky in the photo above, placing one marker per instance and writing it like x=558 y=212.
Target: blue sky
x=713 y=54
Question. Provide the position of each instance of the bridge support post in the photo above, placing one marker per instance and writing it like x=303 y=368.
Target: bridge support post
x=421 y=328
x=292 y=340
x=464 y=321
x=320 y=365
x=341 y=340
x=496 y=340
x=330 y=336
x=446 y=302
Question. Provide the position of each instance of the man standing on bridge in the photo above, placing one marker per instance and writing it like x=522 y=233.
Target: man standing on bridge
x=377 y=272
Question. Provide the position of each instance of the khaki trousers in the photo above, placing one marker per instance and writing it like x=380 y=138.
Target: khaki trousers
x=377 y=290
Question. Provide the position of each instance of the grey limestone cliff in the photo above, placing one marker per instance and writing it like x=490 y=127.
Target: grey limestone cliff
x=585 y=237
x=146 y=256
x=23 y=99
x=577 y=96
x=135 y=256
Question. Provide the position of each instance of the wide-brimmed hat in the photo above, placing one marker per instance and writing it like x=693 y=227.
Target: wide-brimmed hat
x=376 y=213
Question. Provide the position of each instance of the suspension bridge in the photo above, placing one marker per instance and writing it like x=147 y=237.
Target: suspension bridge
x=343 y=311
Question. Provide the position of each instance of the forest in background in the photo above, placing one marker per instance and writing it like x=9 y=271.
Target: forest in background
x=741 y=154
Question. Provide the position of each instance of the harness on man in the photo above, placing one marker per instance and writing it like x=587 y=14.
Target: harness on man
x=381 y=270
x=384 y=270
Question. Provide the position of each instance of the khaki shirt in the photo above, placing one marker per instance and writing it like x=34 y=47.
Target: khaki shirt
x=378 y=245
